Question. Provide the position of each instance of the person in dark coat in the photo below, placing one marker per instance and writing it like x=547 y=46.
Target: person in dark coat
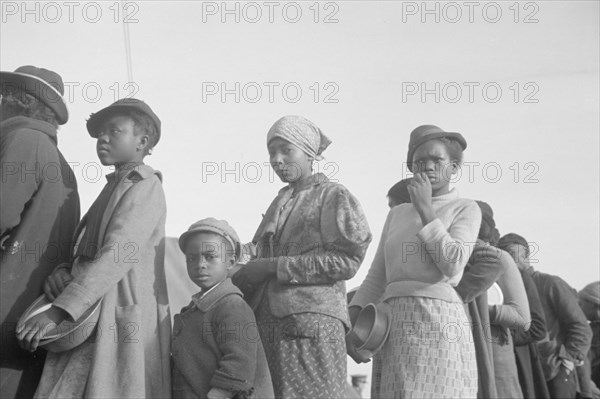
x=529 y=366
x=39 y=213
x=589 y=372
x=483 y=270
x=569 y=335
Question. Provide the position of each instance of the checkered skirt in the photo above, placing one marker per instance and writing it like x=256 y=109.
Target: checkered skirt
x=428 y=354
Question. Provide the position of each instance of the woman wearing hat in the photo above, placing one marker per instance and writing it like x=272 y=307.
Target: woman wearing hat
x=312 y=238
x=40 y=210
x=423 y=250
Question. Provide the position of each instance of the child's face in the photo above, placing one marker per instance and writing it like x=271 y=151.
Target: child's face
x=289 y=162
x=208 y=257
x=432 y=158
x=117 y=142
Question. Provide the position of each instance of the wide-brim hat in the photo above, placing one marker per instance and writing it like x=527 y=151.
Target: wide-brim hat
x=123 y=105
x=426 y=133
x=220 y=227
x=44 y=84
x=371 y=329
x=68 y=334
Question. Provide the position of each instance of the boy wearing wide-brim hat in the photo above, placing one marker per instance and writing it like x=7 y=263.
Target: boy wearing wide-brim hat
x=39 y=212
x=119 y=259
x=217 y=352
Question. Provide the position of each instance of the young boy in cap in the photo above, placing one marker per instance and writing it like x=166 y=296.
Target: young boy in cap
x=216 y=347
x=118 y=260
x=39 y=212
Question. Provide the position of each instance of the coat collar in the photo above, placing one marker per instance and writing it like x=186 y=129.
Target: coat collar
x=23 y=122
x=223 y=289
x=135 y=173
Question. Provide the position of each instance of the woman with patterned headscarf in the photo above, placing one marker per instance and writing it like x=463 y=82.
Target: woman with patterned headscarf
x=313 y=236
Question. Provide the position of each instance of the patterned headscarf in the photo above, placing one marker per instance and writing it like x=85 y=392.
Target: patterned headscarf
x=302 y=133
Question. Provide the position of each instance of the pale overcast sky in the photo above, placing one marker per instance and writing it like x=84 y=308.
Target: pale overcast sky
x=519 y=80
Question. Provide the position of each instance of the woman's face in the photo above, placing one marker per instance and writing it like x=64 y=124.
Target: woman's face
x=432 y=159
x=289 y=162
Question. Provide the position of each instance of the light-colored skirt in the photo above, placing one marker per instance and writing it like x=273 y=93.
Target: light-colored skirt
x=429 y=352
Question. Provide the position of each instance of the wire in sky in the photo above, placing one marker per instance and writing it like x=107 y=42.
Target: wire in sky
x=127 y=45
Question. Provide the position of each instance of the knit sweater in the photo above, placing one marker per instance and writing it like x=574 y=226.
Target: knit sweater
x=417 y=260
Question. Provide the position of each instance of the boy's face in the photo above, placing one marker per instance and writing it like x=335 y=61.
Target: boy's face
x=209 y=257
x=289 y=162
x=117 y=141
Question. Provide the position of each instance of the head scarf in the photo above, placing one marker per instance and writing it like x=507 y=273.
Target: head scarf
x=591 y=293
x=302 y=133
x=512 y=238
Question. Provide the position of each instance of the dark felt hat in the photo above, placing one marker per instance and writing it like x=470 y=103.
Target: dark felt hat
x=429 y=132
x=44 y=84
x=123 y=105
x=68 y=334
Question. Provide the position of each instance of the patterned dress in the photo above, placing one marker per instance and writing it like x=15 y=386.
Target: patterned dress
x=319 y=235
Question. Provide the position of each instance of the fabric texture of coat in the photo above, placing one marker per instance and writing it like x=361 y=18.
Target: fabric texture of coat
x=529 y=365
x=319 y=236
x=216 y=344
x=39 y=214
x=483 y=270
x=569 y=334
x=514 y=312
x=129 y=354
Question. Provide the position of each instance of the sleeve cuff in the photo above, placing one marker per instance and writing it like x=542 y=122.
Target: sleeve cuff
x=74 y=301
x=432 y=231
x=221 y=393
x=223 y=381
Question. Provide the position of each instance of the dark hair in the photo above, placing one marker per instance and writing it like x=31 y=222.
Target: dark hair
x=25 y=104
x=399 y=192
x=511 y=238
x=455 y=150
